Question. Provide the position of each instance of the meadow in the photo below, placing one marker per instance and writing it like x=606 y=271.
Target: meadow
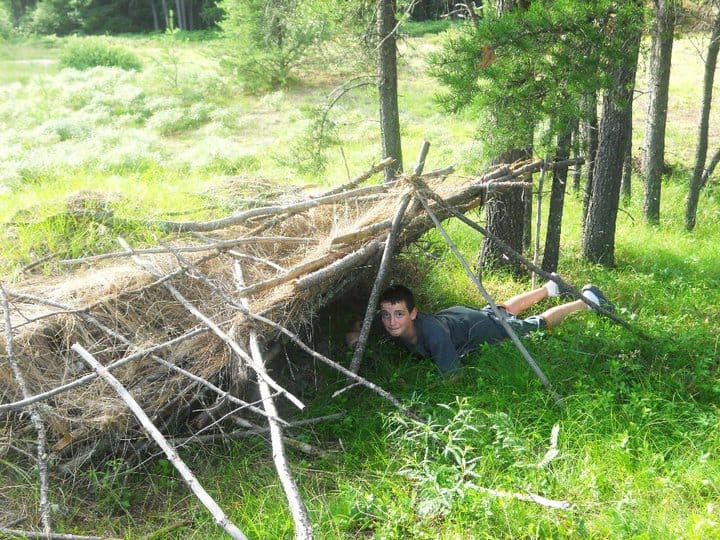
x=633 y=451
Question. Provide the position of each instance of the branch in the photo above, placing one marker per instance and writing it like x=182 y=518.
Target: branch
x=377 y=285
x=510 y=252
x=51 y=536
x=42 y=456
x=508 y=329
x=303 y=527
x=187 y=475
x=214 y=328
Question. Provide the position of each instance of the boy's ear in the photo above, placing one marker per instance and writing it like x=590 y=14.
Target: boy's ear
x=413 y=313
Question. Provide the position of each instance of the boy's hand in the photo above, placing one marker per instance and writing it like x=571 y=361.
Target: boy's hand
x=353 y=335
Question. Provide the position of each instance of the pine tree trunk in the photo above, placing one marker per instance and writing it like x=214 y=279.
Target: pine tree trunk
x=626 y=184
x=661 y=46
x=387 y=86
x=696 y=182
x=506 y=212
x=551 y=253
x=156 y=21
x=590 y=134
x=599 y=228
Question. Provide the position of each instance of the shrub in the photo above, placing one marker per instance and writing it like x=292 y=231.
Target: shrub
x=86 y=53
x=6 y=26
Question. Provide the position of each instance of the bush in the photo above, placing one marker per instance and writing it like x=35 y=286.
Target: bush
x=6 y=26
x=86 y=53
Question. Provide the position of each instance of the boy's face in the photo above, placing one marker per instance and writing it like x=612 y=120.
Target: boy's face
x=397 y=320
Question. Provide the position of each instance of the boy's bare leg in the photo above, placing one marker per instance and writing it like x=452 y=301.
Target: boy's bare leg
x=555 y=315
x=521 y=302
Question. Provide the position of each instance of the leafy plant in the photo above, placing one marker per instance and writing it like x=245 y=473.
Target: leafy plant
x=85 y=53
x=269 y=38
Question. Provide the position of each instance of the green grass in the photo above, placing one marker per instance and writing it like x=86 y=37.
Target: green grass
x=638 y=441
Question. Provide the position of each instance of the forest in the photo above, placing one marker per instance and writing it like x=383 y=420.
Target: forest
x=200 y=198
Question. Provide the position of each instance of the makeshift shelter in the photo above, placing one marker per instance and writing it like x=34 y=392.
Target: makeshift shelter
x=186 y=327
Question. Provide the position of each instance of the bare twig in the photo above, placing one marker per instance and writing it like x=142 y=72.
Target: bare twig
x=51 y=536
x=360 y=179
x=526 y=497
x=303 y=527
x=187 y=475
x=215 y=329
x=42 y=457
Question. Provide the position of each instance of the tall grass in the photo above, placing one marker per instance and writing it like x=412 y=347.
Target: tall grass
x=637 y=439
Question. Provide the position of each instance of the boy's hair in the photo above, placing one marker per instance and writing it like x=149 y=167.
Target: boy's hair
x=398 y=293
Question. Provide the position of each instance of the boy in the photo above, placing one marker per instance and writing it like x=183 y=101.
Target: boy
x=453 y=332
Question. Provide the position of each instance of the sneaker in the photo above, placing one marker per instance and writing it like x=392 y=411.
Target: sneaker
x=556 y=289
x=592 y=293
x=553 y=288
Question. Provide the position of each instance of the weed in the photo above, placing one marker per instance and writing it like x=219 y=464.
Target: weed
x=85 y=53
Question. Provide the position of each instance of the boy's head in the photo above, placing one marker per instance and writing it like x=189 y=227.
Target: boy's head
x=396 y=294
x=398 y=312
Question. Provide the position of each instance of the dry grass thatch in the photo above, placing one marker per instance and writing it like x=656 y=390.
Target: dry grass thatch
x=296 y=256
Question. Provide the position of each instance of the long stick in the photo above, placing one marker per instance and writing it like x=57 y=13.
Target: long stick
x=511 y=334
x=37 y=421
x=187 y=475
x=510 y=252
x=51 y=536
x=215 y=329
x=303 y=527
x=377 y=285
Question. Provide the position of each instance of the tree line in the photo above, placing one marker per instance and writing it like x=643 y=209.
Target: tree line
x=557 y=77
x=549 y=78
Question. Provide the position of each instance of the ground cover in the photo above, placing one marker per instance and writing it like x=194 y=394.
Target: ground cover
x=637 y=441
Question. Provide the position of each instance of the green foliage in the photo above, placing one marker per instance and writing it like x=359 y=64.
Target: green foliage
x=528 y=66
x=60 y=17
x=269 y=38
x=85 y=53
x=6 y=26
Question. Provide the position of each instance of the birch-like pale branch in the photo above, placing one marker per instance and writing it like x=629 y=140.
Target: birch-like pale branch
x=187 y=475
x=303 y=526
x=37 y=421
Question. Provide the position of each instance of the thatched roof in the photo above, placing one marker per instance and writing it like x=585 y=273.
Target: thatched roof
x=296 y=255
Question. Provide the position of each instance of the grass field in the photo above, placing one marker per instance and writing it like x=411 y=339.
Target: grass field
x=634 y=451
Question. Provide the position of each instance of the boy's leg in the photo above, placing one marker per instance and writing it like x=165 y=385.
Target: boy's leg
x=555 y=315
x=519 y=303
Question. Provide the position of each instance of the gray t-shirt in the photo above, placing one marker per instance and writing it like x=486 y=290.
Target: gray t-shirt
x=449 y=334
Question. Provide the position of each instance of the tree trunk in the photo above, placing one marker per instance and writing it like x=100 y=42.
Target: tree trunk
x=696 y=182
x=590 y=134
x=599 y=228
x=506 y=212
x=662 y=31
x=156 y=21
x=626 y=183
x=551 y=254
x=166 y=14
x=577 y=147
x=387 y=87
x=179 y=15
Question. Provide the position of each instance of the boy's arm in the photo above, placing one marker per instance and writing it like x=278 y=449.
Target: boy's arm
x=352 y=335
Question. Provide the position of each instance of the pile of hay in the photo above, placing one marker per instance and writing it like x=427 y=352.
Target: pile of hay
x=296 y=255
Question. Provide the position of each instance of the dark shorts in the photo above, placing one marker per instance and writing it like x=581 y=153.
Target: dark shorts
x=522 y=327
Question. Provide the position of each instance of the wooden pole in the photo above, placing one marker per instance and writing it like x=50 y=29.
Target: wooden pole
x=303 y=527
x=187 y=475
x=37 y=421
